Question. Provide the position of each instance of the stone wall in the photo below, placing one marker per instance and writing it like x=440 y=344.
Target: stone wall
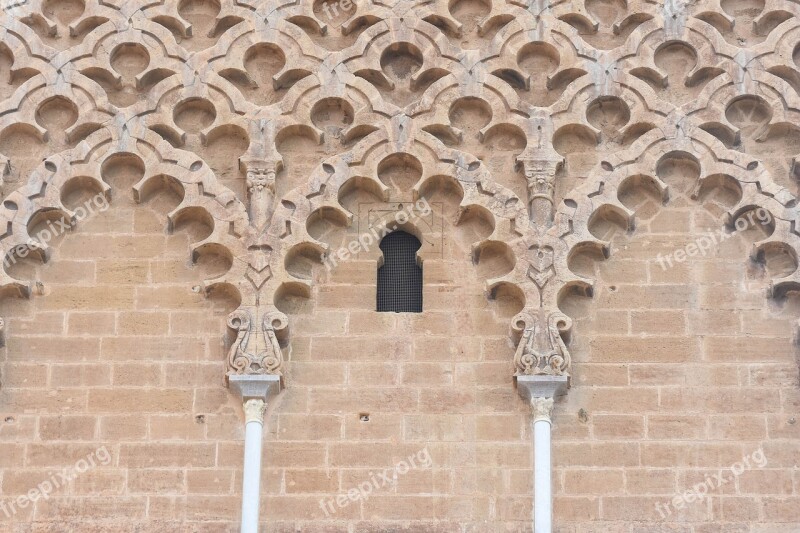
x=604 y=190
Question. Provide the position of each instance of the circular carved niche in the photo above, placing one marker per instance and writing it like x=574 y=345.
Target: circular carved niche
x=796 y=55
x=640 y=193
x=358 y=190
x=63 y=11
x=475 y=223
x=607 y=12
x=332 y=13
x=194 y=115
x=680 y=171
x=400 y=61
x=82 y=190
x=507 y=300
x=494 y=259
x=294 y=299
x=332 y=114
x=677 y=59
x=302 y=261
x=609 y=114
x=538 y=58
x=129 y=59
x=470 y=13
x=57 y=114
x=751 y=114
x=607 y=222
x=747 y=10
x=328 y=225
x=470 y=115
x=121 y=172
x=400 y=171
x=779 y=260
x=202 y=15
x=719 y=193
x=262 y=62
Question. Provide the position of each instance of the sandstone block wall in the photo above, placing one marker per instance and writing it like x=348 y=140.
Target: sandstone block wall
x=610 y=184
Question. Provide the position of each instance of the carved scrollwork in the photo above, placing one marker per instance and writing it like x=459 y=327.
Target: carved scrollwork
x=256 y=351
x=238 y=358
x=272 y=324
x=464 y=99
x=541 y=349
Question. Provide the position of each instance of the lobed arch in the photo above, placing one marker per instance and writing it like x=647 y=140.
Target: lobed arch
x=538 y=140
x=525 y=234
x=752 y=186
x=84 y=167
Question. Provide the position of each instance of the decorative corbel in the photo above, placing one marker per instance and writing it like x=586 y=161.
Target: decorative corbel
x=541 y=350
x=256 y=350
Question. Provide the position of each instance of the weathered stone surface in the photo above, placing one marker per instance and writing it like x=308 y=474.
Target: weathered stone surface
x=196 y=189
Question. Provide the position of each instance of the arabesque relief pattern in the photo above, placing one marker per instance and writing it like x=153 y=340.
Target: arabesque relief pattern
x=222 y=100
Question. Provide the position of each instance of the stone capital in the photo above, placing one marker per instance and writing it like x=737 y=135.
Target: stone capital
x=542 y=409
x=254 y=410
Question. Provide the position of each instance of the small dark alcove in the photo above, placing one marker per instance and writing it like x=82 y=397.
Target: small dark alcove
x=400 y=278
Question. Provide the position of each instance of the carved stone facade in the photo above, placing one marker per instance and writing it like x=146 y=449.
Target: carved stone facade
x=639 y=152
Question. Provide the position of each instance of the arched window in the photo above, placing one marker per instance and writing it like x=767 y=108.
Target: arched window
x=400 y=278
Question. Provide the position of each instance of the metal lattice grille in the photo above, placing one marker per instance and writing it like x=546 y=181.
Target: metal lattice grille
x=400 y=278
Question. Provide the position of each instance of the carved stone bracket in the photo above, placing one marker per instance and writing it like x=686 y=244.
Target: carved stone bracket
x=256 y=349
x=541 y=350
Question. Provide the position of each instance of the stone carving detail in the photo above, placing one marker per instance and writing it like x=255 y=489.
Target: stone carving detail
x=256 y=350
x=542 y=409
x=399 y=80
x=254 y=410
x=261 y=191
x=541 y=349
x=540 y=173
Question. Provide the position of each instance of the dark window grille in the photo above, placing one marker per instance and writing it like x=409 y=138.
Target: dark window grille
x=400 y=278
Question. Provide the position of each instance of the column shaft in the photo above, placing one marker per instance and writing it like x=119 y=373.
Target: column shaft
x=251 y=485
x=542 y=468
x=543 y=482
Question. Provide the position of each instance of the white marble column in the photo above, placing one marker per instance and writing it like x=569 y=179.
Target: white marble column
x=254 y=391
x=540 y=391
x=542 y=469
x=251 y=486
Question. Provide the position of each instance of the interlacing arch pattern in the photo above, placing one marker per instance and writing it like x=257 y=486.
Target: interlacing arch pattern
x=158 y=83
